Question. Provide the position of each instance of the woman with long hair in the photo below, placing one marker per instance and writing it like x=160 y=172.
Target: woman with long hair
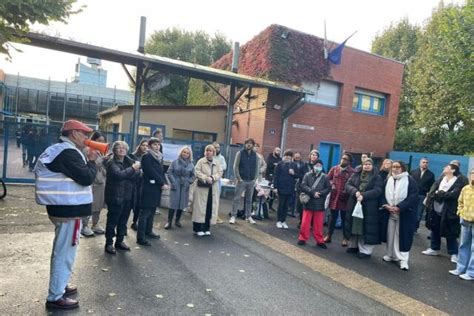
x=137 y=155
x=181 y=176
x=385 y=169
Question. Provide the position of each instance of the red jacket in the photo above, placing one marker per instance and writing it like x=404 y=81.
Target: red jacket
x=338 y=179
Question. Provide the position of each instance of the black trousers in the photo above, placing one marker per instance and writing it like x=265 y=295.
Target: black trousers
x=283 y=202
x=117 y=218
x=204 y=227
x=333 y=220
x=145 y=222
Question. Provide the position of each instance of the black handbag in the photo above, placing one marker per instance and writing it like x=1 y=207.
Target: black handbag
x=204 y=184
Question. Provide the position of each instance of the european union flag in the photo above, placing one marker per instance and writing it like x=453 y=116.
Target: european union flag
x=335 y=56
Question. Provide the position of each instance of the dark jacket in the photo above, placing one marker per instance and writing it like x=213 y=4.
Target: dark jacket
x=283 y=181
x=339 y=178
x=370 y=206
x=70 y=163
x=383 y=174
x=424 y=183
x=121 y=178
x=153 y=179
x=408 y=208
x=272 y=161
x=248 y=165
x=450 y=227
x=137 y=188
x=323 y=187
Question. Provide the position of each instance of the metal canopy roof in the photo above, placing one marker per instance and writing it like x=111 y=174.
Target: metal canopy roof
x=158 y=63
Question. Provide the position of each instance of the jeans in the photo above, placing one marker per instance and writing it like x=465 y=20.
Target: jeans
x=419 y=210
x=283 y=202
x=62 y=258
x=145 y=223
x=117 y=218
x=466 y=249
x=333 y=220
x=242 y=186
x=452 y=243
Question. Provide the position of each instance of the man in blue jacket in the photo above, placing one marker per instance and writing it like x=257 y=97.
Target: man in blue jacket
x=63 y=184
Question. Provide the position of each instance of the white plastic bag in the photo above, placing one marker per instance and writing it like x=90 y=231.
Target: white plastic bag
x=358 y=211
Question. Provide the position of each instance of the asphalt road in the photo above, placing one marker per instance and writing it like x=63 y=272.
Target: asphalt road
x=228 y=273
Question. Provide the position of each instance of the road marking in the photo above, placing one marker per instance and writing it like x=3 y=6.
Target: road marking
x=348 y=278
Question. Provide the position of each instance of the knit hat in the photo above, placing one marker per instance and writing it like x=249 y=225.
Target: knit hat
x=369 y=160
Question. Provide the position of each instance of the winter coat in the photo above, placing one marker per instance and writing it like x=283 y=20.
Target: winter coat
x=450 y=227
x=98 y=187
x=370 y=206
x=272 y=162
x=408 y=218
x=424 y=183
x=283 y=181
x=120 y=181
x=339 y=197
x=202 y=171
x=323 y=187
x=153 y=179
x=181 y=176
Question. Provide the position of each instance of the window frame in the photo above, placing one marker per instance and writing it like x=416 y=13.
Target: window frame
x=360 y=93
x=338 y=102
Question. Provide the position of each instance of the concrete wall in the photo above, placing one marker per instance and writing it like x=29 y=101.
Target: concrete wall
x=193 y=118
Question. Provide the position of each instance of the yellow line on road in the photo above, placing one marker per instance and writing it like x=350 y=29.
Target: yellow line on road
x=348 y=278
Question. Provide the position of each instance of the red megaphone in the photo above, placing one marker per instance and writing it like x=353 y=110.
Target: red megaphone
x=102 y=147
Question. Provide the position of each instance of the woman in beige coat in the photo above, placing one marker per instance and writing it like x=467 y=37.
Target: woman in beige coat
x=206 y=193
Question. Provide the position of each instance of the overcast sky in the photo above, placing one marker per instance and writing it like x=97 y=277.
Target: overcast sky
x=115 y=24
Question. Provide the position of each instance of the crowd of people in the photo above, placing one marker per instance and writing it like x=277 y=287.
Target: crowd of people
x=374 y=206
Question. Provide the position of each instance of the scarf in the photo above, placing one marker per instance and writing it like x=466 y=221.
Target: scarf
x=157 y=155
x=396 y=189
x=365 y=178
x=444 y=185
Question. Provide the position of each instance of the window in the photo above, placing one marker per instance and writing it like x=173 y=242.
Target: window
x=327 y=93
x=368 y=102
x=193 y=135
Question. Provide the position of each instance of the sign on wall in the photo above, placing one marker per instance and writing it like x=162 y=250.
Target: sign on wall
x=301 y=126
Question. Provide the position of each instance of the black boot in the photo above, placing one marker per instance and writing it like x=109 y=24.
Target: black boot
x=178 y=217
x=170 y=219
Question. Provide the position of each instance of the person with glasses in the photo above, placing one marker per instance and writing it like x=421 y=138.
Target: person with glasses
x=399 y=217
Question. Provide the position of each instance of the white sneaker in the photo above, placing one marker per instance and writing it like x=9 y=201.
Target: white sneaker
x=387 y=258
x=232 y=220
x=279 y=225
x=86 y=231
x=404 y=265
x=455 y=272
x=454 y=258
x=208 y=233
x=430 y=252
x=200 y=234
x=466 y=277
x=284 y=225
x=250 y=220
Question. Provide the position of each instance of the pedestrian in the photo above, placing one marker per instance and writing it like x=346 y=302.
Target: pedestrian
x=63 y=183
x=441 y=208
x=272 y=161
x=154 y=182
x=464 y=179
x=364 y=186
x=24 y=144
x=299 y=171
x=424 y=178
x=31 y=148
x=121 y=176
x=262 y=165
x=363 y=157
x=284 y=181
x=221 y=160
x=137 y=155
x=316 y=185
x=465 y=263
x=307 y=167
x=399 y=216
x=18 y=138
x=246 y=173
x=338 y=177
x=98 y=192
x=181 y=176
x=206 y=193
x=385 y=168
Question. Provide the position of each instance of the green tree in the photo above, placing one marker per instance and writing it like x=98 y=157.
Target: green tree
x=196 y=47
x=400 y=42
x=16 y=17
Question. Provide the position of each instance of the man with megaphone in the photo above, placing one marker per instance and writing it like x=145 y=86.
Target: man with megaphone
x=63 y=184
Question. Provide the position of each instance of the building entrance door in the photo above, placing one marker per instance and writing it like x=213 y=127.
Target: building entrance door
x=329 y=153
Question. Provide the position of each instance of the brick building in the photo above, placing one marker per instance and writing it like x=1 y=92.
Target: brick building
x=354 y=106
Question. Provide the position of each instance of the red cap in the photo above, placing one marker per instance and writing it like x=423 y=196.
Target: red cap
x=76 y=125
